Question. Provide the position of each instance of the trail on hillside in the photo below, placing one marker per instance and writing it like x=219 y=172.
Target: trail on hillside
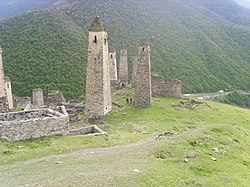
x=95 y=151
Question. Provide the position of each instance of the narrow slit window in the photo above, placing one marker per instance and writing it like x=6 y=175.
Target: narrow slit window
x=95 y=39
x=143 y=49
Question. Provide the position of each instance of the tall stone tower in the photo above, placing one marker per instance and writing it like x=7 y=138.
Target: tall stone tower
x=134 y=67
x=123 y=68
x=3 y=97
x=98 y=90
x=37 y=97
x=112 y=64
x=143 y=76
x=2 y=83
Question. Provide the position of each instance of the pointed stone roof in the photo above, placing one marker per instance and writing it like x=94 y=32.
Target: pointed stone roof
x=112 y=50
x=144 y=42
x=7 y=79
x=97 y=25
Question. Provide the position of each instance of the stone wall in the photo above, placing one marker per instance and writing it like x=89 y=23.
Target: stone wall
x=22 y=102
x=143 y=91
x=18 y=126
x=37 y=97
x=123 y=68
x=55 y=99
x=4 y=104
x=91 y=130
x=98 y=89
x=165 y=89
x=2 y=82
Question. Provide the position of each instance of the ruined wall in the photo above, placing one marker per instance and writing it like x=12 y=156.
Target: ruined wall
x=123 y=68
x=18 y=126
x=143 y=91
x=98 y=89
x=165 y=89
x=8 y=89
x=4 y=104
x=37 y=97
x=22 y=102
x=112 y=65
x=55 y=99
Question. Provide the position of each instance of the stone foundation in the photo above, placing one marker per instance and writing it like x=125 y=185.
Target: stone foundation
x=16 y=126
x=90 y=131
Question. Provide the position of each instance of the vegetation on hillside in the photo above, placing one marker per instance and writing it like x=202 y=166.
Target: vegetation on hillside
x=235 y=98
x=48 y=48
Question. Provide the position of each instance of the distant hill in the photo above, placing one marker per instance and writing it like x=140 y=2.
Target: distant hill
x=12 y=7
x=243 y=3
x=191 y=40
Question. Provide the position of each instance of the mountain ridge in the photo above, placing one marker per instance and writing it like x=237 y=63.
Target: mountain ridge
x=207 y=53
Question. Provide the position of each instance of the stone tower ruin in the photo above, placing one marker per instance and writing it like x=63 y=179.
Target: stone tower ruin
x=37 y=97
x=98 y=90
x=143 y=76
x=123 y=68
x=112 y=65
x=8 y=91
x=3 y=97
x=133 y=81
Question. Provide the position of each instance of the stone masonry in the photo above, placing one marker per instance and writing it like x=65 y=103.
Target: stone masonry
x=134 y=67
x=123 y=68
x=55 y=99
x=112 y=64
x=16 y=126
x=37 y=97
x=98 y=89
x=143 y=76
x=8 y=89
x=160 y=88
x=3 y=106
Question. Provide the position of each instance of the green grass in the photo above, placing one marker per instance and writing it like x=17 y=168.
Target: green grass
x=160 y=161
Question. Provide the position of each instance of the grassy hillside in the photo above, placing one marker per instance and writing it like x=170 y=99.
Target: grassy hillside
x=132 y=155
x=48 y=48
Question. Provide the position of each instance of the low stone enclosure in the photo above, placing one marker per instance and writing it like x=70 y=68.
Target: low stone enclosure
x=16 y=126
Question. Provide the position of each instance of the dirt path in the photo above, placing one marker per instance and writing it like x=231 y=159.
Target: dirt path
x=94 y=151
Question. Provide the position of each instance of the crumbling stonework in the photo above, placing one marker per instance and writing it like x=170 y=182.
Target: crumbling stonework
x=37 y=96
x=22 y=103
x=55 y=99
x=98 y=89
x=165 y=89
x=143 y=91
x=4 y=104
x=123 y=68
x=87 y=131
x=16 y=126
x=8 y=91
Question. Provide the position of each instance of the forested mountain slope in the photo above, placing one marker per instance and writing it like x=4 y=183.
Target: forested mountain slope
x=12 y=7
x=48 y=48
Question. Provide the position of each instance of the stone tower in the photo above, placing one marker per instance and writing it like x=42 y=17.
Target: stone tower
x=2 y=83
x=37 y=96
x=123 y=68
x=133 y=82
x=112 y=64
x=143 y=76
x=98 y=90
x=8 y=91
x=3 y=97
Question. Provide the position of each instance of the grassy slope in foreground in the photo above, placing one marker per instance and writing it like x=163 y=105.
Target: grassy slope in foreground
x=160 y=162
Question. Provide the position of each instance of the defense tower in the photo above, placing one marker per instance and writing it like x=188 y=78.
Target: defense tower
x=123 y=68
x=98 y=90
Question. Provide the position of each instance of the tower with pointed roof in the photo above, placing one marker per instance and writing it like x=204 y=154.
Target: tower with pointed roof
x=98 y=90
x=142 y=96
x=112 y=65
x=123 y=68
